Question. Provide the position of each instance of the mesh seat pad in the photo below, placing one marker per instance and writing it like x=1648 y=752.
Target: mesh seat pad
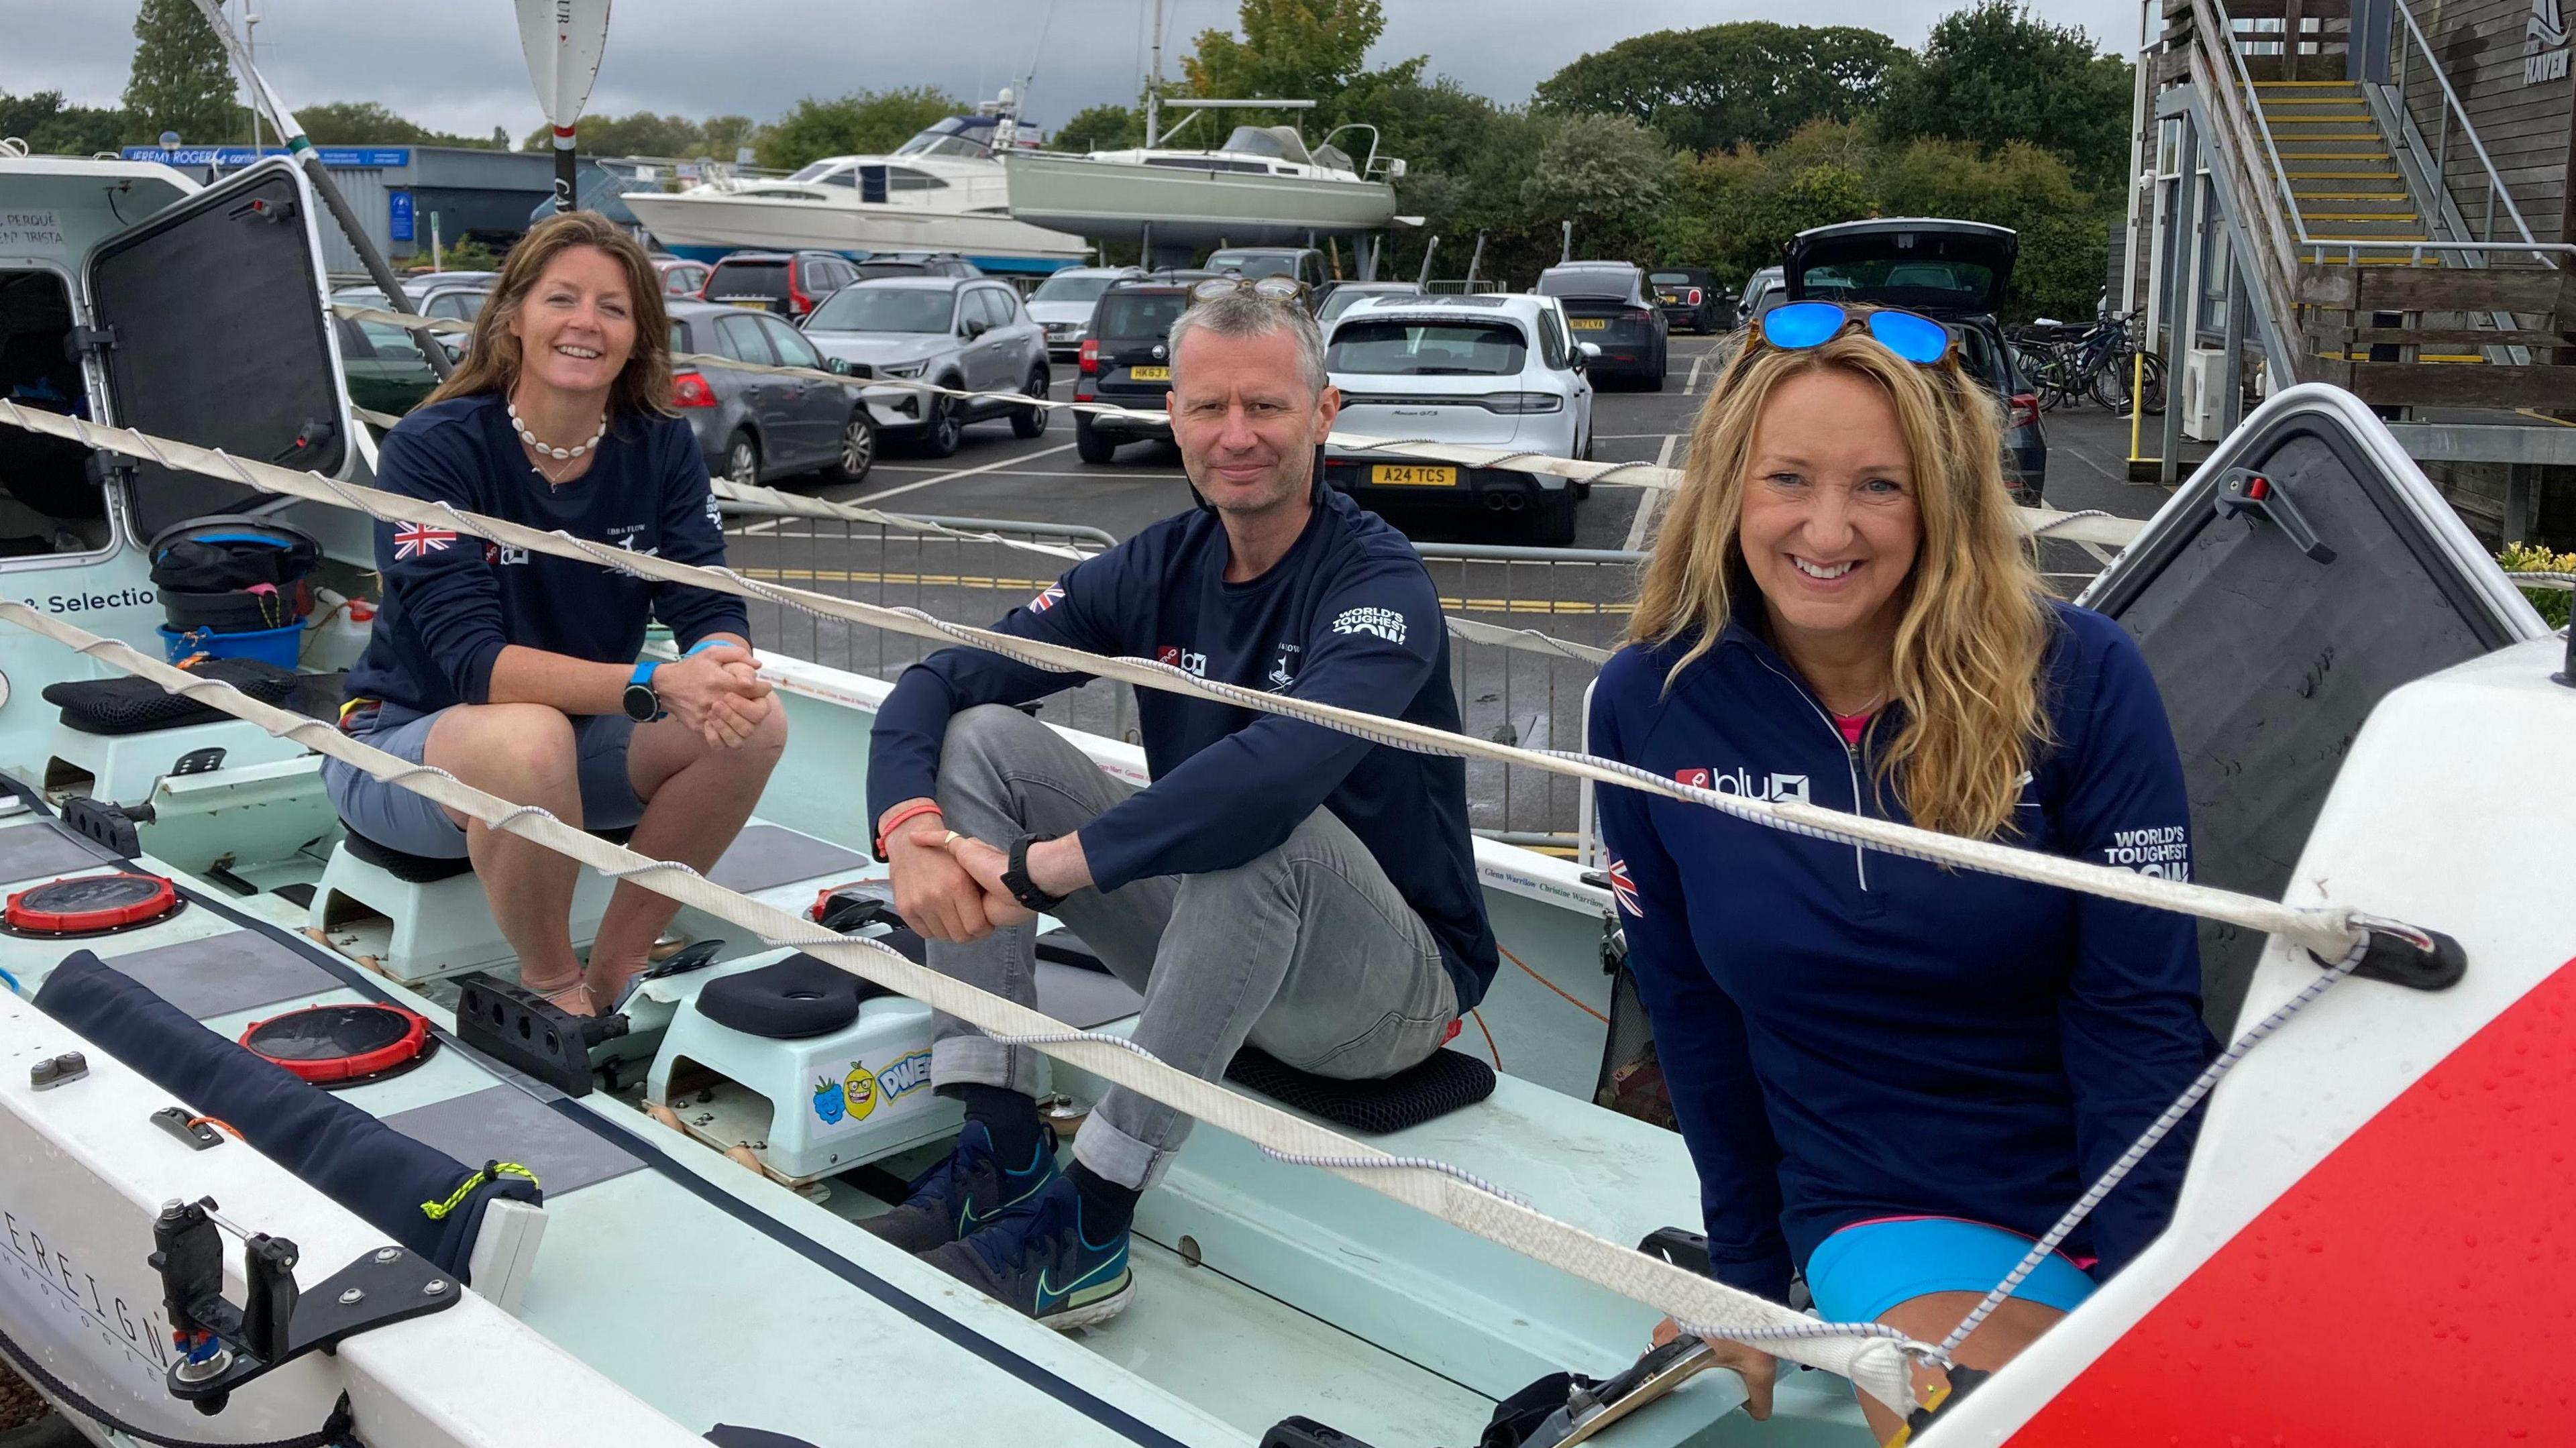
x=138 y=706
x=1443 y=1082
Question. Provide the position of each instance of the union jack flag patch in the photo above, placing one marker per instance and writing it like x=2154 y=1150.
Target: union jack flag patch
x=1624 y=889
x=1053 y=595
x=419 y=541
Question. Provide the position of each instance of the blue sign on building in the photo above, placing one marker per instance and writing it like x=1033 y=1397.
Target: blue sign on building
x=398 y=215
x=230 y=158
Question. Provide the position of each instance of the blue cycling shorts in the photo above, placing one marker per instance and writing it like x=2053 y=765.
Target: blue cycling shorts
x=1863 y=1270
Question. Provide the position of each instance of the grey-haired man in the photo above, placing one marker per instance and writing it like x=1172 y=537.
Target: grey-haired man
x=1277 y=883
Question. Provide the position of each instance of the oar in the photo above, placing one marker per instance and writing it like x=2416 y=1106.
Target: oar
x=563 y=40
x=265 y=96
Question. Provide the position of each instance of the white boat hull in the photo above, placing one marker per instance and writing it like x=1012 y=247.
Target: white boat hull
x=1117 y=200
x=707 y=225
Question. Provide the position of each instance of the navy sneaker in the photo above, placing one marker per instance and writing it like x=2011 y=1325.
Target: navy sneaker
x=965 y=1192
x=1039 y=1260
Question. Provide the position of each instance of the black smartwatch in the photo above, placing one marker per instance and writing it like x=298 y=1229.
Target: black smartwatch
x=1015 y=877
x=642 y=704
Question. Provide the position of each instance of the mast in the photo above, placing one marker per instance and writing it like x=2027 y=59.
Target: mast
x=1154 y=79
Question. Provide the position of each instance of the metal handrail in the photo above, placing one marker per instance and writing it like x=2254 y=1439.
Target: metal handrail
x=2451 y=98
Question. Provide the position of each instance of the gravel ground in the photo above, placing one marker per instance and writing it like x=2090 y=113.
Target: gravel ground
x=19 y=1404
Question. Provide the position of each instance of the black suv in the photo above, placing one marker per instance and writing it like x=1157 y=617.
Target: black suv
x=1953 y=271
x=1607 y=304
x=1690 y=298
x=917 y=264
x=1127 y=360
x=790 y=283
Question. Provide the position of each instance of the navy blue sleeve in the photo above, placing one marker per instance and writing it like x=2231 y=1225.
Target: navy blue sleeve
x=2130 y=1018
x=1376 y=637
x=692 y=533
x=1080 y=611
x=445 y=589
x=1699 y=1033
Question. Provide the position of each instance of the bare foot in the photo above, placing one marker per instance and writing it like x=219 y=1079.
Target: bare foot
x=572 y=997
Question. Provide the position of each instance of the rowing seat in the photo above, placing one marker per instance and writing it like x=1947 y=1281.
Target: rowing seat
x=1443 y=1082
x=126 y=733
x=442 y=922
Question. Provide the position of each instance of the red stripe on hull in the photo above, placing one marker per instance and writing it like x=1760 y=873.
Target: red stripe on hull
x=2417 y=1287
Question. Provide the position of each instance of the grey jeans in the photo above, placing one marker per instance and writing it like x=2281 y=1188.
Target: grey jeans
x=1306 y=951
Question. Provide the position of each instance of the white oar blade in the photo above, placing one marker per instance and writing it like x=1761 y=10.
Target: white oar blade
x=563 y=40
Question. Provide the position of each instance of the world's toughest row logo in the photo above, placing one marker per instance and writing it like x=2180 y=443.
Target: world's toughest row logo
x=1386 y=623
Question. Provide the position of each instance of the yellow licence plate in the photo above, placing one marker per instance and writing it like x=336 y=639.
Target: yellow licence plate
x=1405 y=475
x=751 y=303
x=1149 y=374
x=1592 y=324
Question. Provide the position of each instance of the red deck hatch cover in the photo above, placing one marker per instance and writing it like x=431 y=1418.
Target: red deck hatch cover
x=341 y=1045
x=90 y=904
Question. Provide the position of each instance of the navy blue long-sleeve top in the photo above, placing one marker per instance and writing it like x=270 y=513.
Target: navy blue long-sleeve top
x=1850 y=1035
x=1347 y=617
x=452 y=602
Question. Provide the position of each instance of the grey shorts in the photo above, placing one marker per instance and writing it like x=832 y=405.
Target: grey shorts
x=400 y=819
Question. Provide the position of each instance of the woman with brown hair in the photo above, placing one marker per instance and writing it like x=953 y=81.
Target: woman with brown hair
x=517 y=671
x=1893 y=1076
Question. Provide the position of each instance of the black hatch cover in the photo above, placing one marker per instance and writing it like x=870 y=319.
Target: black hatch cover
x=2274 y=632
x=219 y=337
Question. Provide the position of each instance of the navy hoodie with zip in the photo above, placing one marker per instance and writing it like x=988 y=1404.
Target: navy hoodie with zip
x=1850 y=1035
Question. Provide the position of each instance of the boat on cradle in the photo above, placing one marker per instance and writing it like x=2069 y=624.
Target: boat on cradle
x=940 y=191
x=694 y=1259
x=1262 y=187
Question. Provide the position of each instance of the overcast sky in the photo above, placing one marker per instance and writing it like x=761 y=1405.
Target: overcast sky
x=455 y=64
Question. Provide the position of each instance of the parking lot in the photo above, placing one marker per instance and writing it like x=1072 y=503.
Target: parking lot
x=1519 y=696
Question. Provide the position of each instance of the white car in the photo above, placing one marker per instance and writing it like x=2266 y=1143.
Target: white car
x=1490 y=370
x=1063 y=304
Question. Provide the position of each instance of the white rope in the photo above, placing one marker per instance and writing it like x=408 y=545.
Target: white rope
x=2330 y=932
x=1863 y=1354
x=2089 y=526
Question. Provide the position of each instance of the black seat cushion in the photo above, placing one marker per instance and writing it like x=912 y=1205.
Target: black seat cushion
x=138 y=706
x=402 y=865
x=430 y=869
x=790 y=1000
x=1445 y=1082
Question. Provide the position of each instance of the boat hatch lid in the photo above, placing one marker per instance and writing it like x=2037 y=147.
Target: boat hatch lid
x=212 y=327
x=2269 y=654
x=346 y=1044
x=1923 y=262
x=90 y=904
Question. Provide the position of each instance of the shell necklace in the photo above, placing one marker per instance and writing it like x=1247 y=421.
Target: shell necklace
x=559 y=454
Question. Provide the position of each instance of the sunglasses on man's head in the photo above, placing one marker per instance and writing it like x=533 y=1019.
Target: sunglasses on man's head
x=1269 y=289
x=1797 y=326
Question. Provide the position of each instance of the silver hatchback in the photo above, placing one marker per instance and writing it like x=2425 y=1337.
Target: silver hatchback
x=967 y=333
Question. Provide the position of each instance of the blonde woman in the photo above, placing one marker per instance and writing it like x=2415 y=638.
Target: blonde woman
x=1892 y=1076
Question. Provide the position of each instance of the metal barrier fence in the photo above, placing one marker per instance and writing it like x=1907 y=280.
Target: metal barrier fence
x=1525 y=697
x=1520 y=696
x=971 y=580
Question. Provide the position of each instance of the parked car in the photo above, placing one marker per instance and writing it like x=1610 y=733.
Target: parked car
x=1760 y=292
x=969 y=333
x=1608 y=304
x=1489 y=370
x=917 y=264
x=384 y=365
x=1063 y=303
x=1955 y=272
x=446 y=296
x=1127 y=360
x=1304 y=263
x=681 y=277
x=1690 y=298
x=1340 y=297
x=754 y=426
x=790 y=283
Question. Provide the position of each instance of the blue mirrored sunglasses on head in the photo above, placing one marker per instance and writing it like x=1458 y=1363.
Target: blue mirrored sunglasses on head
x=1799 y=325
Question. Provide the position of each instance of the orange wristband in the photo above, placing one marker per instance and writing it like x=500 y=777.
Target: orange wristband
x=926 y=807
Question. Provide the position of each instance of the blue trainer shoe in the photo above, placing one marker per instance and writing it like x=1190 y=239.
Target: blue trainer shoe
x=964 y=1193
x=1039 y=1260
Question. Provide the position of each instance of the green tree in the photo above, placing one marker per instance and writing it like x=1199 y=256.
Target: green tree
x=53 y=127
x=862 y=123
x=646 y=134
x=1602 y=171
x=1721 y=86
x=1290 y=50
x=368 y=123
x=180 y=81
x=1995 y=73
x=1101 y=128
